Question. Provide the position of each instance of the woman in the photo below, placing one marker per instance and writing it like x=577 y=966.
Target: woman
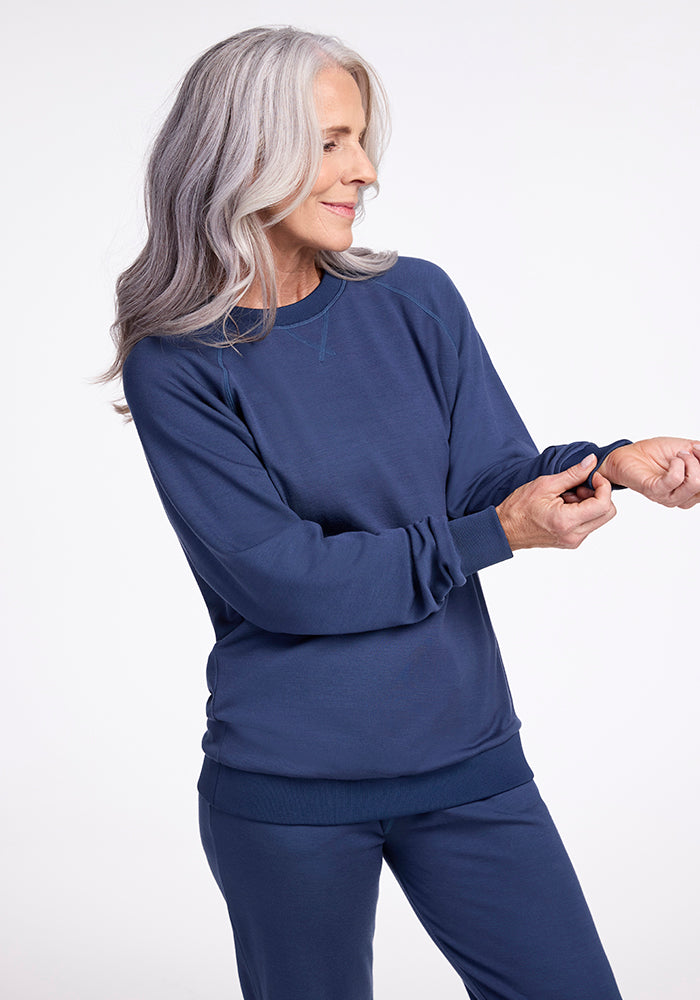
x=339 y=458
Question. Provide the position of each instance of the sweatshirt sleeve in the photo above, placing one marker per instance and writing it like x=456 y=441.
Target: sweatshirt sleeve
x=491 y=451
x=275 y=569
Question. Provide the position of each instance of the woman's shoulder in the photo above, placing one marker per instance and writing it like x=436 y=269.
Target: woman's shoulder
x=168 y=352
x=415 y=273
x=428 y=286
x=155 y=362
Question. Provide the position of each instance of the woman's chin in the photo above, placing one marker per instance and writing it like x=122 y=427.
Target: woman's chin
x=337 y=246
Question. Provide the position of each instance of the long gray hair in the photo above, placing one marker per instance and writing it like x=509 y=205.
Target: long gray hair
x=242 y=136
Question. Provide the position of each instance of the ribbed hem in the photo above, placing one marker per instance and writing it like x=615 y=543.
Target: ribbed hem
x=271 y=798
x=480 y=540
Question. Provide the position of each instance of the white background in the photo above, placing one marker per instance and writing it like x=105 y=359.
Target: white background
x=547 y=155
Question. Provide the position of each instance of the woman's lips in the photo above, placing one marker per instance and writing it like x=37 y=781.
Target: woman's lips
x=346 y=209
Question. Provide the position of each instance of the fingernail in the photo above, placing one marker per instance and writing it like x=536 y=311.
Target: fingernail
x=683 y=452
x=589 y=461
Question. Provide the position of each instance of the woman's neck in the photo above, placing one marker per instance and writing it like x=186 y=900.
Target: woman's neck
x=294 y=280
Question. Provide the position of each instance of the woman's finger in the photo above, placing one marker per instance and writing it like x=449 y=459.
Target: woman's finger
x=587 y=528
x=577 y=495
x=662 y=487
x=690 y=486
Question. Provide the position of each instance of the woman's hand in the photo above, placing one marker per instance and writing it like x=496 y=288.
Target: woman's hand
x=663 y=469
x=548 y=512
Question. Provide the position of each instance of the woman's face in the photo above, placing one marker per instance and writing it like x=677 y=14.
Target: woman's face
x=324 y=220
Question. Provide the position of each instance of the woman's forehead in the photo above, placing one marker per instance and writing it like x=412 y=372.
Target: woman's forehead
x=338 y=99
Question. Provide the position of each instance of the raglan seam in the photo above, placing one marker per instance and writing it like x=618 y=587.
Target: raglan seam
x=407 y=295
x=226 y=381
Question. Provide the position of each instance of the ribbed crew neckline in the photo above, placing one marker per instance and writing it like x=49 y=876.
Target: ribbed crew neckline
x=297 y=312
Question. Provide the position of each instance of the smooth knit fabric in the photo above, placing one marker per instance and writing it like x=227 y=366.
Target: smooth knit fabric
x=490 y=881
x=334 y=487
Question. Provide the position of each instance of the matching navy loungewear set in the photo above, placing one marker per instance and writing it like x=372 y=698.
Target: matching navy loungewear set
x=333 y=487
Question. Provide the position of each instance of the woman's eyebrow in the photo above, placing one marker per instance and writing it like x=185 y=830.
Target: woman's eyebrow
x=342 y=130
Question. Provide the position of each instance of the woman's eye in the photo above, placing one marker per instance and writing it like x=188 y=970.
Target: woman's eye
x=330 y=145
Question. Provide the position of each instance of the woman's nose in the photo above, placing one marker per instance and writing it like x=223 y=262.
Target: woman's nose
x=361 y=169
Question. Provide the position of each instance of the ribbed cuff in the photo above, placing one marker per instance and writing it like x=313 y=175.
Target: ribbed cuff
x=480 y=540
x=602 y=454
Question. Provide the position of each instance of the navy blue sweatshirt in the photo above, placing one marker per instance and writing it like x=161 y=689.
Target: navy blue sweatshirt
x=333 y=487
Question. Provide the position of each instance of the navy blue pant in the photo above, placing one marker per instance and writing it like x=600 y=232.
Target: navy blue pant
x=490 y=881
